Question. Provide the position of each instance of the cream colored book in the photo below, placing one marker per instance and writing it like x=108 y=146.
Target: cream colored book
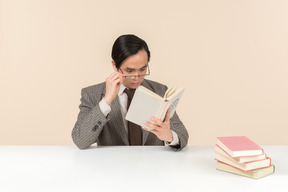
x=248 y=166
x=255 y=174
x=146 y=104
x=220 y=151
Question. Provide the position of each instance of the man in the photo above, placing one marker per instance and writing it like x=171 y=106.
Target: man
x=104 y=106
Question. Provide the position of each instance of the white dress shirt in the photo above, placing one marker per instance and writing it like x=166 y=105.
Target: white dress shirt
x=123 y=99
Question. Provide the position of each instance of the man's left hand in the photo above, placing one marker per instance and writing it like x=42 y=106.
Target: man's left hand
x=161 y=129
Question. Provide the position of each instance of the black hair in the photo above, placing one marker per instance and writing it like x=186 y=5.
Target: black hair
x=127 y=45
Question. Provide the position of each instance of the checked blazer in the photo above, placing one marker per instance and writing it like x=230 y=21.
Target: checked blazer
x=93 y=127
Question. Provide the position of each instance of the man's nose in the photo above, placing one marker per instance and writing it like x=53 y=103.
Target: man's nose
x=136 y=73
x=136 y=76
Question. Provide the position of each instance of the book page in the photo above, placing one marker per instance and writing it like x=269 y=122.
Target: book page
x=175 y=93
x=143 y=106
x=174 y=100
x=170 y=92
x=146 y=104
x=144 y=89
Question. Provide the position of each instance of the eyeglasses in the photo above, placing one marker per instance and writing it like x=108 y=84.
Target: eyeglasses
x=134 y=76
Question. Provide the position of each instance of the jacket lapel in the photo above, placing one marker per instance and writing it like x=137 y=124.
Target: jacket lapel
x=118 y=120
x=116 y=115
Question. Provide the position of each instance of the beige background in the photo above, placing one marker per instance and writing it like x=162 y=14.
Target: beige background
x=231 y=56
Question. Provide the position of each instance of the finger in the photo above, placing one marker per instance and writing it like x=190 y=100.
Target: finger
x=121 y=79
x=114 y=78
x=115 y=81
x=111 y=76
x=120 y=75
x=151 y=130
x=157 y=121
x=151 y=125
x=114 y=73
x=167 y=118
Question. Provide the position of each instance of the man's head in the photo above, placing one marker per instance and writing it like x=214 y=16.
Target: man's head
x=130 y=56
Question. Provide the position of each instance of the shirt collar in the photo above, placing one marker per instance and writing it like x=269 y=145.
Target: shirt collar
x=122 y=88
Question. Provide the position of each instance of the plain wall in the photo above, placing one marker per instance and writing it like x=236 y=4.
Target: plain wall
x=231 y=56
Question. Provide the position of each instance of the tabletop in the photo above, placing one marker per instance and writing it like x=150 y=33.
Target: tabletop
x=128 y=168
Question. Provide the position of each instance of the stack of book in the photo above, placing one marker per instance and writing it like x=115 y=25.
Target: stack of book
x=240 y=155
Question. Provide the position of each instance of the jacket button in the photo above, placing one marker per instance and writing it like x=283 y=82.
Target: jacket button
x=99 y=122
x=95 y=128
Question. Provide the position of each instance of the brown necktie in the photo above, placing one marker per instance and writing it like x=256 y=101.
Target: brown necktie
x=134 y=130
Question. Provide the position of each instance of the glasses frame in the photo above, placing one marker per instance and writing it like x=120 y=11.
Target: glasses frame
x=134 y=76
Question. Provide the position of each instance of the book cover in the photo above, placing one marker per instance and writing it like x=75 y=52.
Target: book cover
x=255 y=174
x=146 y=104
x=239 y=146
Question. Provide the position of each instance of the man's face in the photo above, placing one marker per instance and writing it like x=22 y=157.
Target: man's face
x=133 y=66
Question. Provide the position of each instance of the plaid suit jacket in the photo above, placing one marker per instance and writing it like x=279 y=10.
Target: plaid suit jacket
x=93 y=127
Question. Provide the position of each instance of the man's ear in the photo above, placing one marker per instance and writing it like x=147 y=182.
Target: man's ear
x=114 y=65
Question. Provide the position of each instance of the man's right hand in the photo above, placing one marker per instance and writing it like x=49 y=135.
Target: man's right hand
x=113 y=83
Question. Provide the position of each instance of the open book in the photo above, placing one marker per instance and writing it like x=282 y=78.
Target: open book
x=146 y=104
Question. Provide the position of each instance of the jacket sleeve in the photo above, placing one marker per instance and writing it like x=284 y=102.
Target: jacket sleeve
x=89 y=123
x=178 y=127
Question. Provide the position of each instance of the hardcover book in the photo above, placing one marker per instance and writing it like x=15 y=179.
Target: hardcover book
x=220 y=151
x=255 y=174
x=239 y=146
x=248 y=166
x=146 y=104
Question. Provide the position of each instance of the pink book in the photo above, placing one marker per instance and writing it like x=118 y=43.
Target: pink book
x=239 y=146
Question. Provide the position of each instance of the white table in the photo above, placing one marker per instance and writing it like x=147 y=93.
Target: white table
x=68 y=169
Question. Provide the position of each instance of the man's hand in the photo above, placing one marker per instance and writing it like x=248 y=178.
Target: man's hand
x=161 y=129
x=113 y=83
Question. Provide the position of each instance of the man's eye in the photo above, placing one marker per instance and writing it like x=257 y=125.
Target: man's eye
x=129 y=71
x=143 y=69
